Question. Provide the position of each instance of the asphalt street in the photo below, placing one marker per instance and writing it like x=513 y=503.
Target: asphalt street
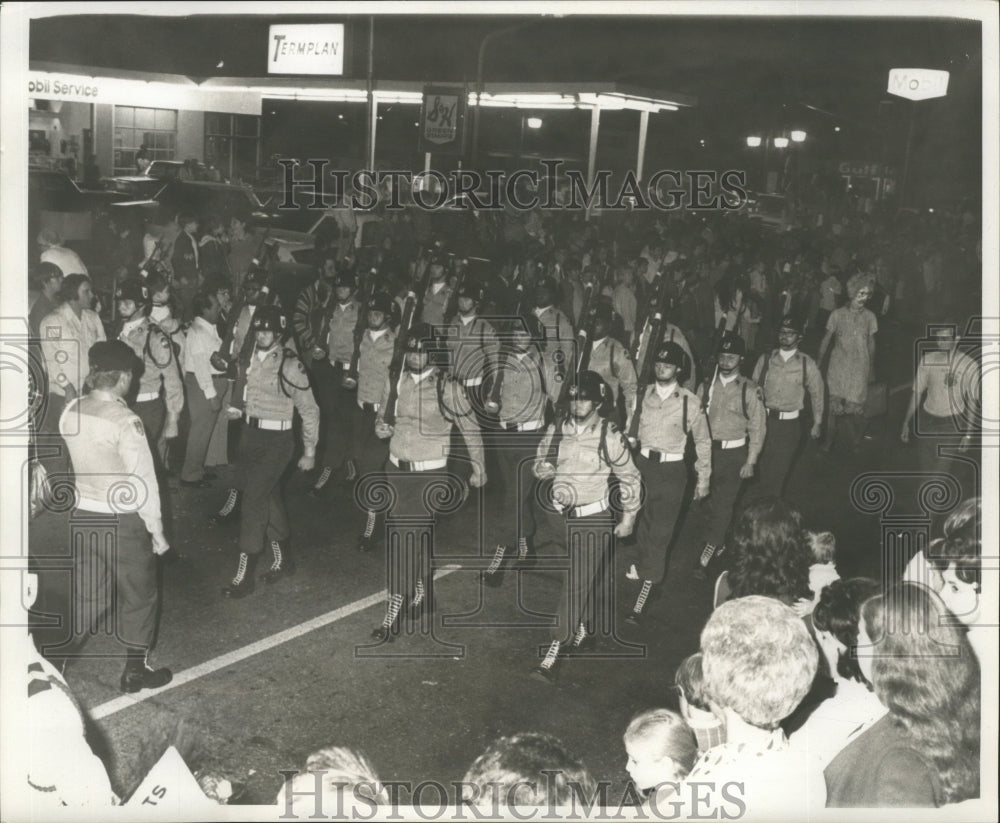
x=261 y=683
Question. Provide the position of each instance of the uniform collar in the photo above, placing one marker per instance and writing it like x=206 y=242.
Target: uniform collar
x=436 y=287
x=726 y=382
x=786 y=356
x=107 y=396
x=130 y=326
x=375 y=335
x=665 y=392
x=419 y=378
x=468 y=321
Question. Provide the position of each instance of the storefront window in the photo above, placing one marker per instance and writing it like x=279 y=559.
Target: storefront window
x=232 y=145
x=156 y=129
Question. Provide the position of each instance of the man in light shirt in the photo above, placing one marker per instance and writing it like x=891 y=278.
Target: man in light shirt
x=53 y=251
x=205 y=386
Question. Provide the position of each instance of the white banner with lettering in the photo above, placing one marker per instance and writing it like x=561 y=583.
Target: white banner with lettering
x=153 y=94
x=306 y=49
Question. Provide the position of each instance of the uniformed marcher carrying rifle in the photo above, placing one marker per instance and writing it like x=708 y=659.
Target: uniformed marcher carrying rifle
x=416 y=416
x=277 y=384
x=590 y=450
x=666 y=416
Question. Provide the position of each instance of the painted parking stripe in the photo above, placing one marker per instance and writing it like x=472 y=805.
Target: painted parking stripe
x=229 y=658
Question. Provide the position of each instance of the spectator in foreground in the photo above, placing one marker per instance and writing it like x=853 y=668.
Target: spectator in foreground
x=823 y=571
x=527 y=769
x=694 y=704
x=344 y=778
x=759 y=662
x=47 y=279
x=661 y=751
x=925 y=751
x=853 y=707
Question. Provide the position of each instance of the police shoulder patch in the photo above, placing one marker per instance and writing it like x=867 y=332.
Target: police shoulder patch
x=53 y=332
x=137 y=425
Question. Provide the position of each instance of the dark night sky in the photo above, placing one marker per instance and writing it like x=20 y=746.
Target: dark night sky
x=748 y=74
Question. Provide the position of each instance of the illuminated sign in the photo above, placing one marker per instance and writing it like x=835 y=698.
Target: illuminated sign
x=918 y=84
x=442 y=120
x=306 y=49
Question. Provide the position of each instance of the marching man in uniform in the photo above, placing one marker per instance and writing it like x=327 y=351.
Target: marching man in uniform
x=785 y=375
x=153 y=347
x=737 y=420
x=669 y=414
x=374 y=357
x=426 y=406
x=590 y=450
x=473 y=343
x=108 y=446
x=609 y=358
x=518 y=397
x=558 y=334
x=276 y=385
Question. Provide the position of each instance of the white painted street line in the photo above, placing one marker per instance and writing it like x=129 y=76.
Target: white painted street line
x=263 y=645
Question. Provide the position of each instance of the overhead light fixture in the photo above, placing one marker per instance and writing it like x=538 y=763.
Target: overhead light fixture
x=753 y=141
x=534 y=122
x=798 y=136
x=220 y=64
x=781 y=142
x=836 y=128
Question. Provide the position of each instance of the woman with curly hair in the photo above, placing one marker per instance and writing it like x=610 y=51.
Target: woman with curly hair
x=769 y=554
x=851 y=329
x=925 y=751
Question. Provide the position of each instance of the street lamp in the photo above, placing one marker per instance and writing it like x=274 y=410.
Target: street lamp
x=753 y=141
x=781 y=142
x=798 y=136
x=534 y=122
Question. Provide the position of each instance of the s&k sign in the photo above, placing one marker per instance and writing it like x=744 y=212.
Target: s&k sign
x=442 y=120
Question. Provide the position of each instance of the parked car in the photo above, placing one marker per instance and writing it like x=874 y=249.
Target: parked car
x=137 y=187
x=192 y=171
x=55 y=201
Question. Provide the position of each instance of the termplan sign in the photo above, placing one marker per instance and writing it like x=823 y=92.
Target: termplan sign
x=306 y=49
x=918 y=84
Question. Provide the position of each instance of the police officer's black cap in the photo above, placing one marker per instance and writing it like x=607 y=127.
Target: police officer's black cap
x=132 y=289
x=111 y=355
x=791 y=323
x=421 y=337
x=589 y=386
x=671 y=353
x=380 y=301
x=732 y=344
x=268 y=318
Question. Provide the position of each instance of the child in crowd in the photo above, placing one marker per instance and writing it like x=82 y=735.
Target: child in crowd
x=690 y=683
x=822 y=572
x=661 y=751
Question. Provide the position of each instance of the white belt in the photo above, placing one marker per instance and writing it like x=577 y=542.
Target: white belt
x=419 y=465
x=372 y=406
x=472 y=381
x=269 y=425
x=588 y=509
x=792 y=415
x=345 y=364
x=731 y=444
x=660 y=457
x=530 y=426
x=146 y=396
x=102 y=507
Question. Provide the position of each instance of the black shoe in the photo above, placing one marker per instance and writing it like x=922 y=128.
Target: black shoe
x=544 y=675
x=287 y=569
x=135 y=678
x=230 y=510
x=492 y=576
x=236 y=591
x=204 y=483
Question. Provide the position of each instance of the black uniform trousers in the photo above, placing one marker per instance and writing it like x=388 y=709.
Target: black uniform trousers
x=781 y=447
x=336 y=405
x=410 y=530
x=264 y=456
x=665 y=485
x=369 y=452
x=513 y=514
x=114 y=574
x=726 y=484
x=588 y=596
x=153 y=414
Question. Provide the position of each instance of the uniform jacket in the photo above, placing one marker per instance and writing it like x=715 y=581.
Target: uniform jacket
x=662 y=427
x=726 y=419
x=424 y=416
x=610 y=359
x=474 y=348
x=277 y=384
x=153 y=347
x=581 y=467
x=435 y=304
x=786 y=383
x=522 y=397
x=112 y=464
x=373 y=365
x=66 y=339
